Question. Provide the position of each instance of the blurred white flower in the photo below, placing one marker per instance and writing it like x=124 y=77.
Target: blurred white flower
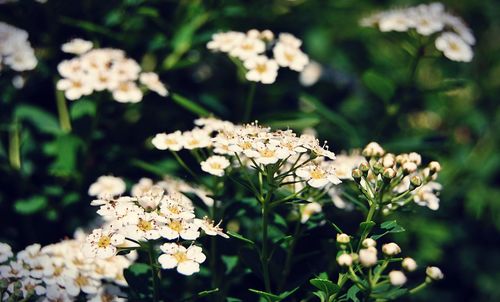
x=454 y=48
x=397 y=278
x=309 y=209
x=310 y=74
x=152 y=81
x=107 y=186
x=261 y=69
x=77 y=46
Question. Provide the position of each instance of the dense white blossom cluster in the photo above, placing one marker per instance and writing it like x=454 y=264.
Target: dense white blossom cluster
x=15 y=49
x=454 y=40
x=104 y=69
x=155 y=213
x=252 y=49
x=60 y=272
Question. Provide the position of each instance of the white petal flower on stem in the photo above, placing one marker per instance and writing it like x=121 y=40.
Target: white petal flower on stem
x=396 y=20
x=187 y=260
x=289 y=40
x=107 y=186
x=152 y=81
x=196 y=138
x=267 y=154
x=102 y=244
x=127 y=92
x=178 y=228
x=316 y=176
x=248 y=48
x=5 y=252
x=287 y=56
x=306 y=211
x=344 y=260
x=409 y=264
x=261 y=69
x=210 y=228
x=454 y=48
x=215 y=165
x=74 y=88
x=225 y=42
x=77 y=46
x=172 y=141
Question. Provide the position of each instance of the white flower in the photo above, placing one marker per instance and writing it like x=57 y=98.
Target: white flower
x=391 y=249
x=102 y=243
x=107 y=186
x=127 y=92
x=316 y=176
x=397 y=278
x=145 y=228
x=427 y=195
x=454 y=48
x=77 y=46
x=434 y=273
x=396 y=20
x=5 y=252
x=152 y=81
x=287 y=56
x=80 y=282
x=74 y=88
x=248 y=48
x=368 y=257
x=409 y=264
x=172 y=141
x=225 y=42
x=343 y=238
x=344 y=164
x=143 y=186
x=178 y=228
x=344 y=260
x=369 y=242
x=289 y=40
x=187 y=260
x=373 y=149
x=196 y=138
x=310 y=74
x=428 y=24
x=306 y=211
x=267 y=154
x=261 y=69
x=215 y=165
x=210 y=228
x=151 y=199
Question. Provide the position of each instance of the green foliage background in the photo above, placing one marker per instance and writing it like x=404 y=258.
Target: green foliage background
x=366 y=94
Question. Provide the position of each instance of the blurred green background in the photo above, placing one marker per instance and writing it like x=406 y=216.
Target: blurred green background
x=448 y=112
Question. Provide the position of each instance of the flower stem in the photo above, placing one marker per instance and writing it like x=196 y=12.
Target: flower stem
x=369 y=217
x=154 y=272
x=249 y=102
x=264 y=258
x=418 y=288
x=62 y=110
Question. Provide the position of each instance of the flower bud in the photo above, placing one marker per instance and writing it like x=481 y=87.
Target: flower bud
x=409 y=167
x=343 y=238
x=415 y=157
x=344 y=260
x=378 y=168
x=368 y=257
x=389 y=174
x=434 y=167
x=389 y=160
x=391 y=249
x=373 y=150
x=434 y=273
x=415 y=182
x=409 y=264
x=397 y=278
x=356 y=174
x=364 y=167
x=369 y=242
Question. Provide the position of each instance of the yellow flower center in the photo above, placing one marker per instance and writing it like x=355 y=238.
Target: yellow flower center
x=180 y=256
x=170 y=141
x=267 y=153
x=144 y=225
x=317 y=174
x=216 y=166
x=176 y=226
x=289 y=56
x=81 y=281
x=261 y=68
x=104 y=241
x=454 y=46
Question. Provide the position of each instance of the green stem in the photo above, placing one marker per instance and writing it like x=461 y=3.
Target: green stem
x=154 y=272
x=184 y=165
x=249 y=102
x=418 y=288
x=62 y=110
x=264 y=258
x=14 y=147
x=289 y=256
x=369 y=217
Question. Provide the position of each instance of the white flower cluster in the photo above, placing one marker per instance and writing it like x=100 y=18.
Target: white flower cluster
x=60 y=272
x=148 y=216
x=455 y=37
x=251 y=49
x=15 y=49
x=256 y=147
x=406 y=179
x=104 y=69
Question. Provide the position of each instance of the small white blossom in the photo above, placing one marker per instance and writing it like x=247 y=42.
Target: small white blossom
x=107 y=186
x=409 y=264
x=187 y=260
x=397 y=278
x=215 y=165
x=391 y=249
x=344 y=260
x=261 y=69
x=434 y=273
x=454 y=48
x=77 y=46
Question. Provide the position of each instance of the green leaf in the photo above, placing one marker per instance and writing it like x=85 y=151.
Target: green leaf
x=67 y=147
x=81 y=108
x=30 y=205
x=351 y=293
x=189 y=105
x=325 y=286
x=42 y=120
x=230 y=262
x=240 y=237
x=366 y=227
x=379 y=85
x=391 y=226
